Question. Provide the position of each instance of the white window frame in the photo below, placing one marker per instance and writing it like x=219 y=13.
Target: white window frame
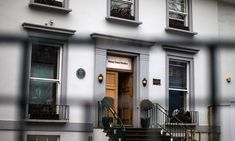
x=135 y=7
x=186 y=99
x=187 y=15
x=37 y=136
x=59 y=70
x=189 y=101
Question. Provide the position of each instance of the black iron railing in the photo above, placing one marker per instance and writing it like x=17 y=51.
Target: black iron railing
x=107 y=119
x=170 y=125
x=47 y=112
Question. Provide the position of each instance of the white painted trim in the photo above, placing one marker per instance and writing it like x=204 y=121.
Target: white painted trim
x=183 y=56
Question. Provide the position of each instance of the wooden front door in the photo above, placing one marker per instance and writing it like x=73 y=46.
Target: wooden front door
x=119 y=86
x=125 y=106
x=112 y=87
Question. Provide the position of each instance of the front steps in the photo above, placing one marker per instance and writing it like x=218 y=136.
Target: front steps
x=137 y=134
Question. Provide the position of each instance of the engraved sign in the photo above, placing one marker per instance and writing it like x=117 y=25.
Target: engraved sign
x=115 y=62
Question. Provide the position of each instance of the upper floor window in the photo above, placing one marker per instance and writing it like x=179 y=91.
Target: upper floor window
x=179 y=14
x=123 y=9
x=126 y=10
x=54 y=5
x=58 y=3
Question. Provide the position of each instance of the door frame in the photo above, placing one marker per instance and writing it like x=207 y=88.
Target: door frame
x=134 y=70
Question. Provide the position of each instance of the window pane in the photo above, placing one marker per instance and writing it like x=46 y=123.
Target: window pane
x=58 y=3
x=122 y=9
x=42 y=137
x=44 y=61
x=42 y=92
x=52 y=138
x=31 y=138
x=177 y=75
x=176 y=100
x=177 y=16
x=177 y=5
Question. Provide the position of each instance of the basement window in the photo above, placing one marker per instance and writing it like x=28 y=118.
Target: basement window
x=43 y=138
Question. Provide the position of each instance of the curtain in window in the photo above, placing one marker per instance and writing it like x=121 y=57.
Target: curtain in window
x=178 y=75
x=44 y=72
x=42 y=92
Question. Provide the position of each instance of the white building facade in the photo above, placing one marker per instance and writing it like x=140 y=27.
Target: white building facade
x=70 y=54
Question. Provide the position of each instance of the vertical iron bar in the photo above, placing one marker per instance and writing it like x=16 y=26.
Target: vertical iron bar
x=213 y=96
x=98 y=114
x=23 y=90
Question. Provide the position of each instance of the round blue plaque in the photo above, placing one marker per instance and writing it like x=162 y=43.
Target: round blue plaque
x=81 y=73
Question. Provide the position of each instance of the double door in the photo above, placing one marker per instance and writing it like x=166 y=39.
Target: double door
x=119 y=86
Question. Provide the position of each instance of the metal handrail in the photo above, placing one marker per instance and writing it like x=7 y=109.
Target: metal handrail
x=172 y=126
x=120 y=129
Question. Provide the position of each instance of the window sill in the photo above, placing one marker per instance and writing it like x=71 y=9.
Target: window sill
x=55 y=30
x=49 y=7
x=185 y=32
x=121 y=20
x=46 y=121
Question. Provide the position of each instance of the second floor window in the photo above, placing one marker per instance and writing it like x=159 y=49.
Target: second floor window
x=125 y=9
x=179 y=15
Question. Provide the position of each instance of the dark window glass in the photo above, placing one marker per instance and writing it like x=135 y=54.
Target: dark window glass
x=58 y=3
x=177 y=75
x=176 y=100
x=42 y=92
x=122 y=9
x=44 y=61
x=42 y=138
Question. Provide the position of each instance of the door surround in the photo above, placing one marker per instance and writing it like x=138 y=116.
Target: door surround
x=119 y=85
x=139 y=50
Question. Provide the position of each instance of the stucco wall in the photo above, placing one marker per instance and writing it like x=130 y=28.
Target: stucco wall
x=89 y=17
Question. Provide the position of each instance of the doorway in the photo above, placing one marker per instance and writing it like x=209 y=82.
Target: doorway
x=119 y=86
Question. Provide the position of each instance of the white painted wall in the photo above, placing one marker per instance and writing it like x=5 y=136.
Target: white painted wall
x=157 y=70
x=209 y=20
x=226 y=68
x=10 y=74
x=202 y=84
x=9 y=135
x=226 y=18
x=80 y=91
